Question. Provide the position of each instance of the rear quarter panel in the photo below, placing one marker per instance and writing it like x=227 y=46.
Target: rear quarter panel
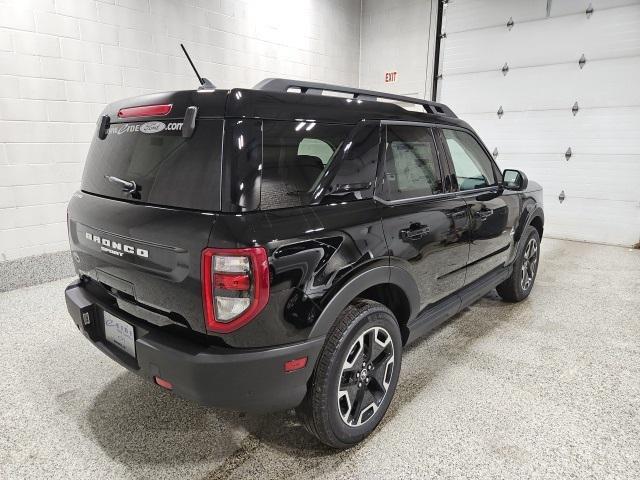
x=311 y=250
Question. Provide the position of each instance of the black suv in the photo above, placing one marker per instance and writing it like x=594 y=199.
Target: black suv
x=277 y=247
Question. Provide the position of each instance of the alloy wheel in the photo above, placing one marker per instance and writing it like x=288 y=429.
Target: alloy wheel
x=529 y=262
x=365 y=376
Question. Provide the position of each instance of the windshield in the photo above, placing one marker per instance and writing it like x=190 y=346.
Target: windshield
x=150 y=162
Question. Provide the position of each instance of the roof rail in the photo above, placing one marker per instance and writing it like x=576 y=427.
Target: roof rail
x=283 y=85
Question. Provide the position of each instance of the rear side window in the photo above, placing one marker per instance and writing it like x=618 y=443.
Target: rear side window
x=167 y=169
x=294 y=158
x=411 y=163
x=472 y=165
x=316 y=148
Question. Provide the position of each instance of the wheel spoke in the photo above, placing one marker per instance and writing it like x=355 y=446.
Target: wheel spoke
x=379 y=374
x=381 y=363
x=356 y=408
x=348 y=380
x=369 y=403
x=354 y=358
x=382 y=341
x=357 y=365
x=370 y=342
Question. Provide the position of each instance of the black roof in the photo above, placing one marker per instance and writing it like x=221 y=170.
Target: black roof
x=272 y=99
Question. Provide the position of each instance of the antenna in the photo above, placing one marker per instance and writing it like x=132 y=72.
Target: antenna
x=204 y=83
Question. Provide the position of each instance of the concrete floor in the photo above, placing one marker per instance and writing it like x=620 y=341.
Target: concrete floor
x=549 y=388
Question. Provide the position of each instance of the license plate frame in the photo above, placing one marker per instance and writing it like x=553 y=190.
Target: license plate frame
x=120 y=334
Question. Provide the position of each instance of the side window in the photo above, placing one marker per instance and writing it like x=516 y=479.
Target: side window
x=315 y=148
x=411 y=163
x=351 y=172
x=294 y=157
x=473 y=167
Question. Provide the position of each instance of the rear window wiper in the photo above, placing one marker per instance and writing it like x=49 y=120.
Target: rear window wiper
x=128 y=186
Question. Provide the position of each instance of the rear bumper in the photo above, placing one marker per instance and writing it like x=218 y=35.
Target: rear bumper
x=248 y=380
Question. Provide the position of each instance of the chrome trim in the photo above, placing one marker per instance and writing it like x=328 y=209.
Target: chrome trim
x=439 y=196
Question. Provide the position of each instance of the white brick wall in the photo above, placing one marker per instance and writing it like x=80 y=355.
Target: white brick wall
x=62 y=60
x=398 y=36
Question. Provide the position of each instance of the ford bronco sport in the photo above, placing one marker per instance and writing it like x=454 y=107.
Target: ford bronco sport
x=277 y=247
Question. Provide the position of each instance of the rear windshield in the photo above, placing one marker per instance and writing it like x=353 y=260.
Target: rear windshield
x=167 y=169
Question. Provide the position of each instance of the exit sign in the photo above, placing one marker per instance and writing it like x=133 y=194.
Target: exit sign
x=391 y=77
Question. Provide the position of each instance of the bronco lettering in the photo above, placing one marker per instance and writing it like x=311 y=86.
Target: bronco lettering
x=116 y=248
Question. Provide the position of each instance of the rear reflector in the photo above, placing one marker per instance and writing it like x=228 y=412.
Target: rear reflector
x=163 y=383
x=145 y=111
x=293 y=365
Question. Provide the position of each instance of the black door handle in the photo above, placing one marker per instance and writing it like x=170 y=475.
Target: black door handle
x=414 y=232
x=484 y=214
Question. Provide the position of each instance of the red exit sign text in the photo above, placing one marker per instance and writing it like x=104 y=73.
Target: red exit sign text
x=390 y=77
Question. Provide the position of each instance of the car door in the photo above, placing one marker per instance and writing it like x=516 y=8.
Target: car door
x=426 y=227
x=492 y=213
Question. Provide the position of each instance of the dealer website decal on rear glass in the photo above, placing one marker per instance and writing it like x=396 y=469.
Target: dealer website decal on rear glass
x=148 y=127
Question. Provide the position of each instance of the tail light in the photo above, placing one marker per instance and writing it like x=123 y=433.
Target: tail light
x=235 y=286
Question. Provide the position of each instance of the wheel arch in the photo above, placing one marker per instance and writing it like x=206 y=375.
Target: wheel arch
x=389 y=285
x=538 y=223
x=532 y=215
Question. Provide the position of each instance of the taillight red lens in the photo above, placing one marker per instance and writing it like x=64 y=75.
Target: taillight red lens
x=232 y=281
x=235 y=286
x=145 y=111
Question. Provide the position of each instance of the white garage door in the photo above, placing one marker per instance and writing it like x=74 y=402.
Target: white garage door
x=593 y=194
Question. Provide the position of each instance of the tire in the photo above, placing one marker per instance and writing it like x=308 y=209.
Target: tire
x=336 y=409
x=525 y=268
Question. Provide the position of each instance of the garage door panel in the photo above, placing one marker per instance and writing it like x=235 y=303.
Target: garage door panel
x=603 y=83
x=591 y=131
x=602 y=221
x=587 y=176
x=568 y=7
x=601 y=180
x=554 y=40
x=464 y=15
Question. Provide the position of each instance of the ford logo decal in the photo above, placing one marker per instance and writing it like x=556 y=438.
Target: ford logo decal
x=152 y=127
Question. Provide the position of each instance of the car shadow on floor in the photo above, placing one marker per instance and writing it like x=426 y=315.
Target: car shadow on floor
x=139 y=425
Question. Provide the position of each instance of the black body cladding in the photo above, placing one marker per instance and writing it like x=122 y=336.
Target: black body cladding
x=351 y=228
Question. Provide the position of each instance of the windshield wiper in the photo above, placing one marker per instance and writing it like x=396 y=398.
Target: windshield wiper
x=127 y=186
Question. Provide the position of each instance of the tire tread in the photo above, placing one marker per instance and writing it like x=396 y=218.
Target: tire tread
x=313 y=411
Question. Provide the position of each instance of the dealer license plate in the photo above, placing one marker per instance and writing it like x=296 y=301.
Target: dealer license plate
x=119 y=333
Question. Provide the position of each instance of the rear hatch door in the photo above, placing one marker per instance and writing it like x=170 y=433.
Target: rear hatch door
x=144 y=212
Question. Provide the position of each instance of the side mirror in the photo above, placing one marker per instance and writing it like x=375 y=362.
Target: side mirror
x=514 y=180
